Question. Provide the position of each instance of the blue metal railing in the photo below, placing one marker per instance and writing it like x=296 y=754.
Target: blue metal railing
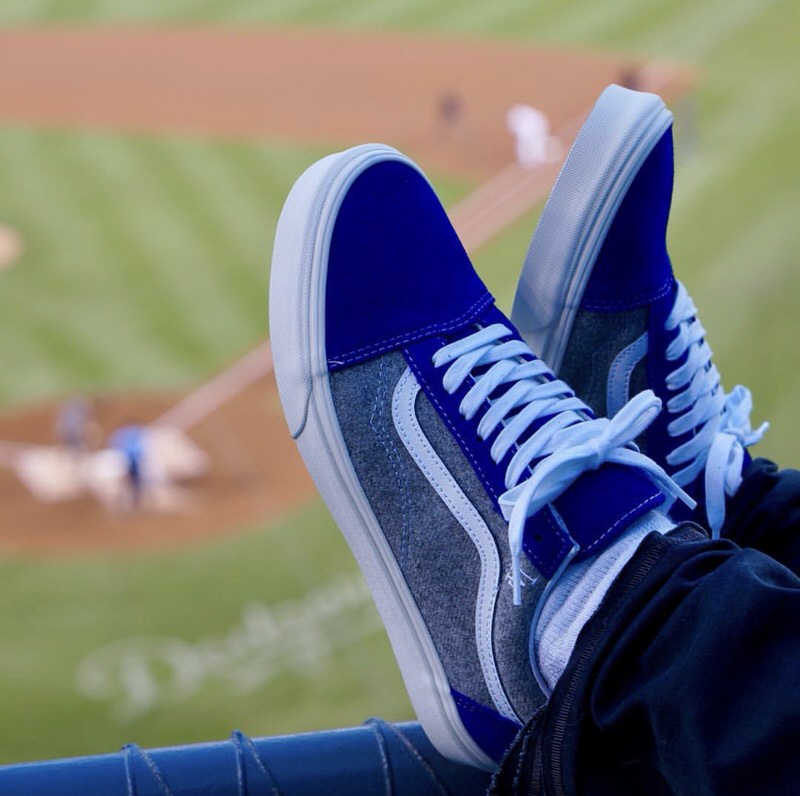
x=376 y=758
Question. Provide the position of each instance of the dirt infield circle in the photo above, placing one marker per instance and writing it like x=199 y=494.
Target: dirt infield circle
x=336 y=89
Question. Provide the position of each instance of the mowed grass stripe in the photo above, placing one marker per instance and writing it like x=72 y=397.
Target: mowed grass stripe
x=186 y=305
x=131 y=291
x=49 y=297
x=60 y=11
x=43 y=204
x=439 y=16
x=318 y=12
x=239 y=192
x=737 y=19
x=206 y=253
x=23 y=199
x=185 y=11
x=738 y=135
x=696 y=29
x=476 y=18
x=752 y=316
x=256 y=180
x=137 y=252
x=629 y=29
x=584 y=22
x=783 y=415
x=22 y=12
x=747 y=269
x=754 y=290
x=547 y=20
x=387 y=13
x=747 y=149
x=149 y=306
x=505 y=18
x=235 y=211
x=140 y=11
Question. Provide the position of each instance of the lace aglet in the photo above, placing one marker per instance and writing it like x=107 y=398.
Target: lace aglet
x=684 y=497
x=516 y=581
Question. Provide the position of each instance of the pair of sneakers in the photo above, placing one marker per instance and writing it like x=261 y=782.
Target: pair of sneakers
x=464 y=472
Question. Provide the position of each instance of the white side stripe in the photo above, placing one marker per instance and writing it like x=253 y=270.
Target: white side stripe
x=618 y=387
x=440 y=478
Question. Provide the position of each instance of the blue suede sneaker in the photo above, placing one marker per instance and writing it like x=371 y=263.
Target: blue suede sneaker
x=598 y=300
x=463 y=474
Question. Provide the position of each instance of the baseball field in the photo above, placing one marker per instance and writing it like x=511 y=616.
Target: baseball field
x=145 y=151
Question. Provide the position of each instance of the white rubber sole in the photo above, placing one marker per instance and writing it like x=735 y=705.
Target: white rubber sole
x=297 y=330
x=615 y=140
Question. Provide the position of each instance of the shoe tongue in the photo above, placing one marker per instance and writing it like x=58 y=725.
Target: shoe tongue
x=633 y=266
x=593 y=512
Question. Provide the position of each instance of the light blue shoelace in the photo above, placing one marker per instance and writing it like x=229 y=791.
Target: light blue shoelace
x=720 y=422
x=568 y=444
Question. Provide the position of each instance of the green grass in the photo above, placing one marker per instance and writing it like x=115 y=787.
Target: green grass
x=60 y=611
x=146 y=267
x=141 y=268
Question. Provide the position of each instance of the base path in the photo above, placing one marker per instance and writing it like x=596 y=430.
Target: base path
x=441 y=100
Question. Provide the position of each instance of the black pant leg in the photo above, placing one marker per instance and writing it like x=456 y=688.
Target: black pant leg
x=686 y=682
x=765 y=513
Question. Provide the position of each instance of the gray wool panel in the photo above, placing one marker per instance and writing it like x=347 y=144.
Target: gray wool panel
x=512 y=622
x=440 y=564
x=437 y=556
x=596 y=338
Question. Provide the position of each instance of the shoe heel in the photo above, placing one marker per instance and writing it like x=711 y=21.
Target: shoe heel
x=616 y=138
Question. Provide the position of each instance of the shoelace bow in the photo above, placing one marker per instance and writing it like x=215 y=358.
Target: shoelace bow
x=720 y=422
x=567 y=443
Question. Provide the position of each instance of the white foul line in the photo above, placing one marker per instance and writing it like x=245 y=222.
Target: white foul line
x=213 y=394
